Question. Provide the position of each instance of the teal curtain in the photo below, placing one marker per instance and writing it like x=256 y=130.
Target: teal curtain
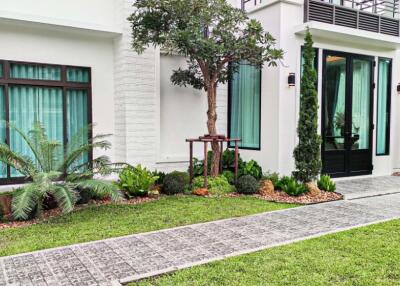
x=37 y=72
x=245 y=100
x=77 y=119
x=28 y=104
x=1 y=70
x=3 y=167
x=361 y=103
x=78 y=75
x=383 y=107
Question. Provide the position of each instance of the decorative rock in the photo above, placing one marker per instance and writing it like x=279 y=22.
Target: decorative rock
x=267 y=188
x=313 y=189
x=154 y=193
x=201 y=192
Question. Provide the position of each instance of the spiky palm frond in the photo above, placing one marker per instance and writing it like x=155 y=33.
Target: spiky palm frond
x=21 y=163
x=33 y=139
x=55 y=174
x=73 y=155
x=101 y=188
x=65 y=196
x=26 y=200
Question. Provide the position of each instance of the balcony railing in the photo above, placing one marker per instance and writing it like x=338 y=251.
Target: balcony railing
x=369 y=15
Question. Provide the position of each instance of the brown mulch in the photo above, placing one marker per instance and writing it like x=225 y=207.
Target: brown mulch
x=57 y=212
x=304 y=199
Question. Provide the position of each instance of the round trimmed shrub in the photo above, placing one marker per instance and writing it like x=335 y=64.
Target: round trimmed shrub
x=217 y=186
x=247 y=185
x=1 y=213
x=175 y=182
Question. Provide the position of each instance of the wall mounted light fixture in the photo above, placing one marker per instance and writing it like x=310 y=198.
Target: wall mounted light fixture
x=398 y=88
x=292 y=79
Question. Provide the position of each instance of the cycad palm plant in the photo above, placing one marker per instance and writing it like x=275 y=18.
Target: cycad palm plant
x=57 y=172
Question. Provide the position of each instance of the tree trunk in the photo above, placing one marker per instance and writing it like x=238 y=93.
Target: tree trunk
x=212 y=129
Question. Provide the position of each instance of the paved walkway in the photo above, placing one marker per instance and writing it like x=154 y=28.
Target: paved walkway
x=121 y=260
x=368 y=186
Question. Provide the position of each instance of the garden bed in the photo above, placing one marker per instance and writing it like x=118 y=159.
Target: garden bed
x=303 y=199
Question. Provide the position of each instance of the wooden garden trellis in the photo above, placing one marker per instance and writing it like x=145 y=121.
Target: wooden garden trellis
x=221 y=139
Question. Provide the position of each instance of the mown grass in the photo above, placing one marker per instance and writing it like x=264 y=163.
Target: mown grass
x=99 y=222
x=359 y=257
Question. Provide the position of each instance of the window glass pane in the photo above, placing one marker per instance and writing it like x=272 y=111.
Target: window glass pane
x=33 y=71
x=383 y=113
x=335 y=102
x=245 y=100
x=27 y=105
x=78 y=75
x=3 y=167
x=1 y=70
x=77 y=120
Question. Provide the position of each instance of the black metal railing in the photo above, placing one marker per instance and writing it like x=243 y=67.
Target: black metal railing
x=369 y=15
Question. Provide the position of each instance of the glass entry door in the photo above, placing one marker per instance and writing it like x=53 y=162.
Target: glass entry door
x=347 y=114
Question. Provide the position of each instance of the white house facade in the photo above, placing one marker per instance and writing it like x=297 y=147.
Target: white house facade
x=69 y=63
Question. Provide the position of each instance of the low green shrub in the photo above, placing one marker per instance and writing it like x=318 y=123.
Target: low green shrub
x=228 y=160
x=216 y=186
x=175 y=182
x=273 y=177
x=136 y=181
x=293 y=188
x=282 y=182
x=325 y=183
x=247 y=184
x=160 y=177
x=1 y=213
x=251 y=168
x=230 y=176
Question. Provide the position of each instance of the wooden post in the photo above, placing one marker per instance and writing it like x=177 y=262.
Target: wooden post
x=205 y=165
x=220 y=157
x=236 y=160
x=191 y=163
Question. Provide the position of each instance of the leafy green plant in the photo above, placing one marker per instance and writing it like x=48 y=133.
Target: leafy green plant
x=282 y=182
x=217 y=186
x=56 y=173
x=136 y=181
x=248 y=185
x=160 y=177
x=273 y=177
x=251 y=168
x=1 y=213
x=175 y=183
x=307 y=154
x=325 y=183
x=230 y=176
x=293 y=188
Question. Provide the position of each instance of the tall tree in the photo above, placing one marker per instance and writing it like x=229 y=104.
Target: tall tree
x=307 y=154
x=212 y=35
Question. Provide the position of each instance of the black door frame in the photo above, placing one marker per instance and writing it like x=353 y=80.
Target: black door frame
x=348 y=112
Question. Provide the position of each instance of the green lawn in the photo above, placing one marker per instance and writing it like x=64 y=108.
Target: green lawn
x=98 y=222
x=364 y=256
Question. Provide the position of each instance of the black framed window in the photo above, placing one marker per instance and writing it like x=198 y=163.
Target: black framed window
x=244 y=106
x=383 y=106
x=57 y=96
